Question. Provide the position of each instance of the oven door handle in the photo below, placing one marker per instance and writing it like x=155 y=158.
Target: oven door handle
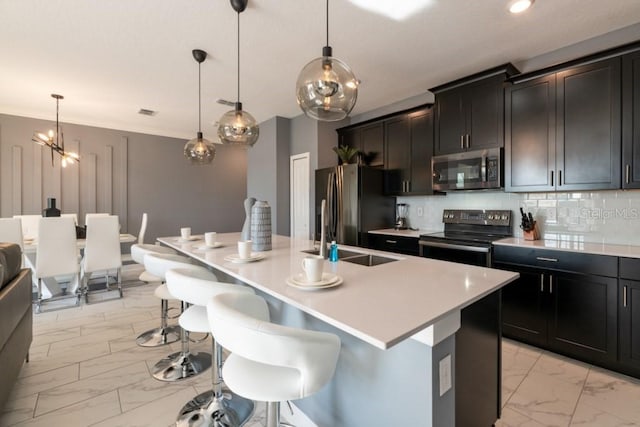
x=454 y=246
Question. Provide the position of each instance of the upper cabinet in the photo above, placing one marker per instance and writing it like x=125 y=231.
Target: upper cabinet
x=369 y=139
x=631 y=120
x=469 y=112
x=563 y=130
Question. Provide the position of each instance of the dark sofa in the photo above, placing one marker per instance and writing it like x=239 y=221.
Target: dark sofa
x=16 y=317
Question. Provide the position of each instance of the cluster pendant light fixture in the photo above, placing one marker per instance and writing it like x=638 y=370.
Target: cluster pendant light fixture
x=327 y=89
x=238 y=127
x=198 y=150
x=55 y=140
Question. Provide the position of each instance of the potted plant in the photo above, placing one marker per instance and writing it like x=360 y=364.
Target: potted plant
x=346 y=153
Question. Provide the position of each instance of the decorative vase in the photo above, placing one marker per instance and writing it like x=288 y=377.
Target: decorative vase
x=51 y=209
x=261 y=226
x=246 y=228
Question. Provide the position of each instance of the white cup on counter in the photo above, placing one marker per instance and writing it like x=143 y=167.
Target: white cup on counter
x=312 y=266
x=244 y=249
x=185 y=233
x=210 y=238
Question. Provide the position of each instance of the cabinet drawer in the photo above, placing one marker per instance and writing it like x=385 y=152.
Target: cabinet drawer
x=600 y=265
x=630 y=268
x=398 y=244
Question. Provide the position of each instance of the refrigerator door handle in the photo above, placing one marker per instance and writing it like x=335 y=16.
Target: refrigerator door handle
x=339 y=203
x=330 y=205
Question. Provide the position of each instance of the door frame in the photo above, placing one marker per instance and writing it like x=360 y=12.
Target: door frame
x=292 y=160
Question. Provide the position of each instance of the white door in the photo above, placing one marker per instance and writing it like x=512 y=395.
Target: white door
x=299 y=194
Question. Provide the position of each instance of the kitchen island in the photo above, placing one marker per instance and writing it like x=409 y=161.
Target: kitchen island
x=396 y=321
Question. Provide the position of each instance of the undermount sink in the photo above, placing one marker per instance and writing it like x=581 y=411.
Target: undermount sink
x=369 y=260
x=360 y=258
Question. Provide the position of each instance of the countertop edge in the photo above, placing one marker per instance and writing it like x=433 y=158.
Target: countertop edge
x=606 y=249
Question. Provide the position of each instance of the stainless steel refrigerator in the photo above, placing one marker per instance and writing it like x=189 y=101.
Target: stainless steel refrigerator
x=355 y=203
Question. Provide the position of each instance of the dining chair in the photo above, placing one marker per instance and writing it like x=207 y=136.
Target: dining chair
x=102 y=251
x=89 y=215
x=57 y=256
x=71 y=215
x=30 y=224
x=126 y=257
x=11 y=232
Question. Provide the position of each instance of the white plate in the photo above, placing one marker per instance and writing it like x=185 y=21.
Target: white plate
x=236 y=258
x=214 y=246
x=300 y=279
x=190 y=239
x=307 y=287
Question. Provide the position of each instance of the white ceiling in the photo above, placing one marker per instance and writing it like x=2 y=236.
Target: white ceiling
x=109 y=58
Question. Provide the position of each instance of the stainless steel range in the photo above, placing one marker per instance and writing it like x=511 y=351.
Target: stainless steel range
x=467 y=236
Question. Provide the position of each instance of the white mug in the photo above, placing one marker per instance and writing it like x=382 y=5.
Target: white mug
x=312 y=266
x=210 y=238
x=185 y=233
x=244 y=248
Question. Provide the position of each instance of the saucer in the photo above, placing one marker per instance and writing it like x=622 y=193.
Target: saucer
x=214 y=246
x=235 y=258
x=190 y=239
x=328 y=281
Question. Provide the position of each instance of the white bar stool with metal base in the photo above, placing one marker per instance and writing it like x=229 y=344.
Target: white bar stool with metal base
x=182 y=364
x=216 y=407
x=164 y=334
x=269 y=362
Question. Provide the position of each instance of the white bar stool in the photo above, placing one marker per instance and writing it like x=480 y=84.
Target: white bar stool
x=182 y=364
x=269 y=362
x=216 y=407
x=164 y=334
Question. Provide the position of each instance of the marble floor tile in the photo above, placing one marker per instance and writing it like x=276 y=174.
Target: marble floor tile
x=587 y=416
x=511 y=418
x=516 y=365
x=613 y=393
x=82 y=414
x=562 y=368
x=59 y=397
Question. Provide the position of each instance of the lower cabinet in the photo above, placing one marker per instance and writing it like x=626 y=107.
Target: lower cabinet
x=563 y=301
x=629 y=313
x=392 y=243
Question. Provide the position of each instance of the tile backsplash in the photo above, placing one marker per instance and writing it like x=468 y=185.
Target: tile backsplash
x=599 y=217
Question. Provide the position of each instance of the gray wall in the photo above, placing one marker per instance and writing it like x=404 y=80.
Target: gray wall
x=268 y=171
x=123 y=173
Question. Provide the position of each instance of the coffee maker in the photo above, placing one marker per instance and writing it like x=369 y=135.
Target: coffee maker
x=402 y=212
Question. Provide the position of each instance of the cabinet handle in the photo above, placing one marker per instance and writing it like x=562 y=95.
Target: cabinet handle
x=468 y=141
x=559 y=178
x=550 y=284
x=624 y=296
x=627 y=174
x=552 y=178
x=542 y=283
x=462 y=142
x=541 y=258
x=393 y=242
x=408 y=186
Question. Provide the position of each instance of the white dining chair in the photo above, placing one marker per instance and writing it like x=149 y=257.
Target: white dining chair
x=126 y=257
x=57 y=256
x=102 y=251
x=71 y=215
x=11 y=232
x=89 y=215
x=30 y=224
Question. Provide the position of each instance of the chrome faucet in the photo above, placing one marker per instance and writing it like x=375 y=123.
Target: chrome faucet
x=323 y=229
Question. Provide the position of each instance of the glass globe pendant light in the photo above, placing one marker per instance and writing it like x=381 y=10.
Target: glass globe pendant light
x=198 y=150
x=327 y=89
x=238 y=127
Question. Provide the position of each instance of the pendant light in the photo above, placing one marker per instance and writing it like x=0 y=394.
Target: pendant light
x=327 y=89
x=237 y=127
x=55 y=140
x=199 y=151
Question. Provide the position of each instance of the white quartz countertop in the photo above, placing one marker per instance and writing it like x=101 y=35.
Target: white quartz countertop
x=629 y=251
x=382 y=305
x=394 y=232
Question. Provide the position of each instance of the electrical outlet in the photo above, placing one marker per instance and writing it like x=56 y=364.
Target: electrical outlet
x=419 y=211
x=445 y=374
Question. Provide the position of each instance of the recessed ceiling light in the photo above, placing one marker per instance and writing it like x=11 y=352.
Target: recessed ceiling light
x=147 y=112
x=519 y=6
x=397 y=10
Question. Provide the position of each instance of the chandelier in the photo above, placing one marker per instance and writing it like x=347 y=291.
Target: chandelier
x=55 y=140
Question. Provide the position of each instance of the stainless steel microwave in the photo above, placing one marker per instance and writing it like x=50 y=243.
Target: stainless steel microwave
x=470 y=170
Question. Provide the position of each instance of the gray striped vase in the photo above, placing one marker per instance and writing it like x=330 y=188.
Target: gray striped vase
x=261 y=226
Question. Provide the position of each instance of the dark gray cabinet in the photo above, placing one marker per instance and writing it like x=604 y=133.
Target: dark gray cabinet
x=393 y=243
x=629 y=313
x=563 y=301
x=563 y=130
x=409 y=148
x=631 y=120
x=469 y=113
x=369 y=139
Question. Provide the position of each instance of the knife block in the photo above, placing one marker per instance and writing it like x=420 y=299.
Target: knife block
x=533 y=234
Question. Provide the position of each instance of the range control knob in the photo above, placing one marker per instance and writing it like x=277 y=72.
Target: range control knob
x=490 y=217
x=504 y=217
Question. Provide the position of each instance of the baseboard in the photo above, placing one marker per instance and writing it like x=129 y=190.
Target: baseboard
x=299 y=419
